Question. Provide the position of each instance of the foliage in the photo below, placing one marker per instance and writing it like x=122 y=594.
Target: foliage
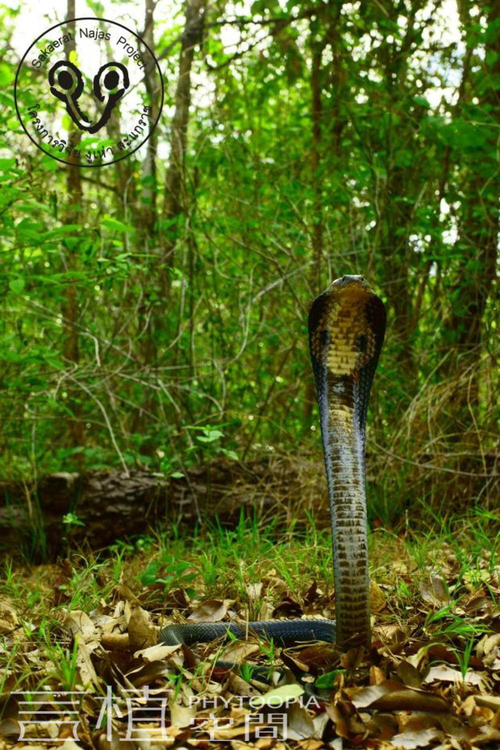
x=329 y=139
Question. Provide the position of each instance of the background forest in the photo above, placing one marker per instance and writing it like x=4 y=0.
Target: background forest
x=155 y=369
x=154 y=312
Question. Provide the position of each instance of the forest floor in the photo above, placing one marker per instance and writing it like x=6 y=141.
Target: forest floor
x=81 y=636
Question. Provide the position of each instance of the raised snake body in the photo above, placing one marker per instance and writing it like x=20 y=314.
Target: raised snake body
x=346 y=332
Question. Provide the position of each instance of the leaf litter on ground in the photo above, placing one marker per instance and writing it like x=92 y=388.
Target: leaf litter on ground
x=431 y=678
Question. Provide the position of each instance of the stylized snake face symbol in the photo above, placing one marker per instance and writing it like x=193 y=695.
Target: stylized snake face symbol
x=110 y=84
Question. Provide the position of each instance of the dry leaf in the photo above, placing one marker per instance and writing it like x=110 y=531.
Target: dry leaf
x=79 y=623
x=10 y=728
x=340 y=717
x=69 y=744
x=182 y=716
x=156 y=653
x=320 y=721
x=142 y=633
x=353 y=658
x=393 y=696
x=493 y=641
x=115 y=640
x=289 y=607
x=299 y=725
x=278 y=696
x=444 y=673
x=413 y=739
x=323 y=656
x=435 y=591
x=383 y=726
x=238 y=651
x=489 y=737
x=124 y=592
x=241 y=687
x=377 y=598
x=377 y=676
x=8 y=617
x=254 y=591
x=409 y=674
x=490 y=701
x=212 y=610
x=312 y=593
x=390 y=633
x=88 y=674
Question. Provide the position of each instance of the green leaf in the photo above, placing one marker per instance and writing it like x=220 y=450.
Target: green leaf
x=6 y=164
x=210 y=436
x=327 y=681
x=63 y=231
x=71 y=519
x=116 y=226
x=16 y=285
x=422 y=101
x=6 y=75
x=50 y=164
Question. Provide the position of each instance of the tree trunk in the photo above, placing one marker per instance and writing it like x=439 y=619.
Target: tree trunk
x=149 y=165
x=317 y=223
x=103 y=506
x=174 y=200
x=148 y=230
x=69 y=309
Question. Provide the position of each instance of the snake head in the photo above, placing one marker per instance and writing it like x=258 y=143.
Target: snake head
x=347 y=292
x=346 y=331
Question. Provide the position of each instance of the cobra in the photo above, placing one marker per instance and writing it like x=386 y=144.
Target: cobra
x=346 y=332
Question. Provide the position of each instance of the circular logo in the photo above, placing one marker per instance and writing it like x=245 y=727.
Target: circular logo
x=89 y=92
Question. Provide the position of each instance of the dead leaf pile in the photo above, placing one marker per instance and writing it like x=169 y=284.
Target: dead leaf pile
x=430 y=680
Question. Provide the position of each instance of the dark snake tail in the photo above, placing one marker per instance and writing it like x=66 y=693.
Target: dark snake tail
x=282 y=632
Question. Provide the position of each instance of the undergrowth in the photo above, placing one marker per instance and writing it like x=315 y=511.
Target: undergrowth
x=231 y=563
x=91 y=621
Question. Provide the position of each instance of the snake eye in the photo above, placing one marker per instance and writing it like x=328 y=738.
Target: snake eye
x=65 y=80
x=112 y=79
